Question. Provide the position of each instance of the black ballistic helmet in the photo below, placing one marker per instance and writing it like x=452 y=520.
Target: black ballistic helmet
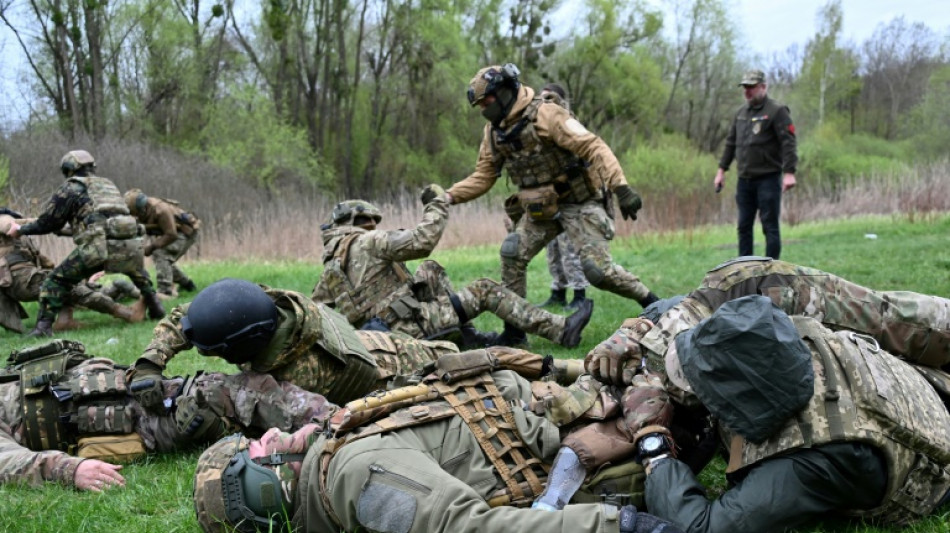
x=232 y=318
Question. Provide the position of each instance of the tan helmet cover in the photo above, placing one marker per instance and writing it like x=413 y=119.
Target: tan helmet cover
x=208 y=495
x=135 y=200
x=480 y=82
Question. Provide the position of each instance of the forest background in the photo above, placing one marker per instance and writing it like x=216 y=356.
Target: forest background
x=259 y=123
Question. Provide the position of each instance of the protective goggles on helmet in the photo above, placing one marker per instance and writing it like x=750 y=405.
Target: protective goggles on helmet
x=258 y=330
x=253 y=497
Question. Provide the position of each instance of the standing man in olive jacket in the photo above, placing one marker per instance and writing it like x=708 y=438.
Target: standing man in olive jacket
x=762 y=141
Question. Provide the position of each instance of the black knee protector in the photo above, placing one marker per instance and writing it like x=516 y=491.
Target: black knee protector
x=510 y=246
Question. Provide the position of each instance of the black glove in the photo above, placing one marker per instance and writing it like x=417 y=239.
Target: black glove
x=12 y=213
x=629 y=201
x=431 y=193
x=146 y=386
x=632 y=521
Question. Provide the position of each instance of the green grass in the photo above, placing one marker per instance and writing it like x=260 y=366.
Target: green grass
x=909 y=255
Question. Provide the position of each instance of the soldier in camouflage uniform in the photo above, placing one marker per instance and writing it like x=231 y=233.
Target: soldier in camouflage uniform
x=462 y=455
x=565 y=175
x=91 y=401
x=23 y=269
x=365 y=276
x=106 y=237
x=173 y=232
x=284 y=334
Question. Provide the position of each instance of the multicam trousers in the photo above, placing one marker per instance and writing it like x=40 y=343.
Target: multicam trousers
x=564 y=265
x=167 y=273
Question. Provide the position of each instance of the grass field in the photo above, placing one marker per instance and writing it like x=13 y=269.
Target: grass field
x=904 y=254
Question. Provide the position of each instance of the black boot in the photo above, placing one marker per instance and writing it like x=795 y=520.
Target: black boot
x=650 y=298
x=558 y=297
x=187 y=286
x=576 y=323
x=579 y=296
x=512 y=336
x=43 y=328
x=472 y=338
x=155 y=308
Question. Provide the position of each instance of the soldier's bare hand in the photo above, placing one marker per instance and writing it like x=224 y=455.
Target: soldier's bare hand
x=96 y=475
x=14 y=230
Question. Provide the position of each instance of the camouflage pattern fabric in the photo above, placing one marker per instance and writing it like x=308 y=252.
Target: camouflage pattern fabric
x=76 y=203
x=865 y=394
x=564 y=265
x=19 y=464
x=167 y=273
x=911 y=325
x=119 y=289
x=488 y=295
x=590 y=229
x=297 y=355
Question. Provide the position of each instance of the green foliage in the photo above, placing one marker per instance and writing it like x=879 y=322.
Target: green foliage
x=667 y=163
x=828 y=159
x=4 y=178
x=928 y=125
x=245 y=135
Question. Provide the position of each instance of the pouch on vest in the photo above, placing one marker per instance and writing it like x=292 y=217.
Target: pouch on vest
x=455 y=366
x=513 y=209
x=540 y=203
x=112 y=448
x=920 y=493
x=103 y=417
x=614 y=483
x=52 y=347
x=42 y=427
x=122 y=227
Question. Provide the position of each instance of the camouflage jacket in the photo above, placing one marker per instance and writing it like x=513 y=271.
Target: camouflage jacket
x=865 y=394
x=69 y=200
x=19 y=464
x=553 y=138
x=365 y=271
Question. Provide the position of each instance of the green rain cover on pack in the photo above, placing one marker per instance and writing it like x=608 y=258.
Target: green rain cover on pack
x=748 y=366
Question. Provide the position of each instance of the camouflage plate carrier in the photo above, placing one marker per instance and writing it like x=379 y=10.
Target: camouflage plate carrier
x=864 y=394
x=108 y=216
x=66 y=394
x=531 y=162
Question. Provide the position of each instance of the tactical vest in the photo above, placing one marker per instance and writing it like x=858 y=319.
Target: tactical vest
x=532 y=162
x=107 y=209
x=65 y=394
x=388 y=296
x=864 y=394
x=476 y=400
x=185 y=221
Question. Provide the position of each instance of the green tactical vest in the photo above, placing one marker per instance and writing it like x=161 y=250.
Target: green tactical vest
x=66 y=394
x=532 y=162
x=864 y=394
x=107 y=210
x=388 y=296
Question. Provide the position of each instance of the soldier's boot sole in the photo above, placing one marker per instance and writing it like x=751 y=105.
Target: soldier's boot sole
x=576 y=323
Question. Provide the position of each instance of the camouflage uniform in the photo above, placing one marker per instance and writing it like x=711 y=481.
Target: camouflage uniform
x=315 y=348
x=910 y=325
x=564 y=265
x=94 y=209
x=436 y=473
x=23 y=269
x=248 y=402
x=173 y=232
x=873 y=441
x=553 y=148
x=365 y=276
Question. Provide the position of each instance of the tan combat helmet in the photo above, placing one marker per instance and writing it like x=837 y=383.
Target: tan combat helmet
x=135 y=199
x=233 y=492
x=348 y=212
x=489 y=79
x=75 y=160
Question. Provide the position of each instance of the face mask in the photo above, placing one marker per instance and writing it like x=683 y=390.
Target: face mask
x=498 y=110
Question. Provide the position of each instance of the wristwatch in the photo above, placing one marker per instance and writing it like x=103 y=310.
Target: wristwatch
x=652 y=445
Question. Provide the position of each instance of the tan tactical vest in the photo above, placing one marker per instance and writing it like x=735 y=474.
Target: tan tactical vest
x=532 y=162
x=388 y=296
x=476 y=400
x=65 y=394
x=107 y=210
x=864 y=394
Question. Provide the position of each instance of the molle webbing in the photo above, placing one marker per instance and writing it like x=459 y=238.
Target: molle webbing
x=523 y=474
x=42 y=427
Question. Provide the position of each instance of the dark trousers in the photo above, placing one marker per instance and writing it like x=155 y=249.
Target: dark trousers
x=762 y=194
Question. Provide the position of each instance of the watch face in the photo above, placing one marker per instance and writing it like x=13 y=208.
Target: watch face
x=651 y=443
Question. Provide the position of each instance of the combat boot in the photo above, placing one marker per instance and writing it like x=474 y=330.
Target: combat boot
x=65 y=321
x=473 y=338
x=512 y=336
x=576 y=323
x=43 y=328
x=579 y=296
x=650 y=298
x=187 y=286
x=558 y=297
x=132 y=315
x=154 y=305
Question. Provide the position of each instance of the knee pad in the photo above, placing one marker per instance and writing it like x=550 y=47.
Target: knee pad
x=592 y=271
x=510 y=246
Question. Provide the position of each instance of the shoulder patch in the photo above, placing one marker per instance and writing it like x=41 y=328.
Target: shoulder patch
x=575 y=127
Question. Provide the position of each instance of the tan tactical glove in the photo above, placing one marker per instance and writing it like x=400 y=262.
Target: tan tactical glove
x=619 y=354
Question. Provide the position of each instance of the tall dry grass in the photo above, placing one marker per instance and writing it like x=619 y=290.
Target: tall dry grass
x=244 y=221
